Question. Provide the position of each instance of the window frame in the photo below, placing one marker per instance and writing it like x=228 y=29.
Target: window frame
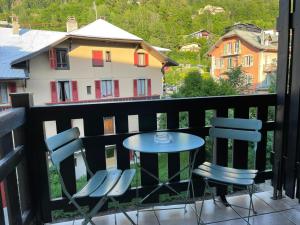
x=231 y=60
x=229 y=48
x=245 y=61
x=249 y=77
x=237 y=44
x=107 y=56
x=104 y=82
x=67 y=59
x=88 y=89
x=139 y=88
x=6 y=93
x=144 y=59
x=219 y=63
x=58 y=90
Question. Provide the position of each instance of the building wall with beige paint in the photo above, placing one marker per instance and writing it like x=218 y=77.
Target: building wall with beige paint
x=120 y=68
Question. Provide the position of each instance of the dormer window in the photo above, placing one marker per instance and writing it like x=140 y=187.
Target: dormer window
x=141 y=59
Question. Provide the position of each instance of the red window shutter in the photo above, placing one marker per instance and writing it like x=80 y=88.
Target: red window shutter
x=97 y=58
x=98 y=89
x=146 y=59
x=136 y=58
x=74 y=90
x=52 y=58
x=53 y=91
x=149 y=87
x=116 y=86
x=135 y=93
x=12 y=87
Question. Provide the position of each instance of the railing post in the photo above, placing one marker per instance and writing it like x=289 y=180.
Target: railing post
x=280 y=135
x=27 y=178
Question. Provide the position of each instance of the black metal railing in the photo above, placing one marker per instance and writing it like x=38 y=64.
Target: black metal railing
x=95 y=141
x=13 y=169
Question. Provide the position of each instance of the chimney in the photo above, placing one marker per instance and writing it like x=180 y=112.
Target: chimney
x=15 y=25
x=71 y=24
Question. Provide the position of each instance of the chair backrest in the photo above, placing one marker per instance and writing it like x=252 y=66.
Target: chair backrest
x=64 y=144
x=237 y=129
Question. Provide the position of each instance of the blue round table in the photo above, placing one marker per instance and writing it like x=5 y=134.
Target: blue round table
x=180 y=142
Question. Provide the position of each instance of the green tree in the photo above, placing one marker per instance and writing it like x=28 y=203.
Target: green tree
x=236 y=78
x=195 y=85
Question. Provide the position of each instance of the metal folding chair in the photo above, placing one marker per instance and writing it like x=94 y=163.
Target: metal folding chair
x=103 y=184
x=236 y=129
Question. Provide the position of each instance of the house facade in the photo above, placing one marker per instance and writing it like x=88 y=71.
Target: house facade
x=97 y=62
x=255 y=52
x=200 y=34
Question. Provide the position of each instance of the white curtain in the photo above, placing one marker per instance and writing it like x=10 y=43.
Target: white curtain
x=67 y=90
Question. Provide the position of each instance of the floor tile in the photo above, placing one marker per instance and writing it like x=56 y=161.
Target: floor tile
x=293 y=215
x=279 y=204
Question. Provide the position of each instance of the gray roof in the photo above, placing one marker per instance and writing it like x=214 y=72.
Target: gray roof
x=252 y=38
x=104 y=30
x=13 y=47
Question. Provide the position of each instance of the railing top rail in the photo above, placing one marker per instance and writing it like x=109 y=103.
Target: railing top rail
x=173 y=100
x=11 y=119
x=159 y=106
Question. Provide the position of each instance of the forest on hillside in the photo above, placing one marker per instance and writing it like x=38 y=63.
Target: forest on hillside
x=160 y=22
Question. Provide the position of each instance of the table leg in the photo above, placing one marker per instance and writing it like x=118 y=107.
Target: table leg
x=136 y=186
x=190 y=182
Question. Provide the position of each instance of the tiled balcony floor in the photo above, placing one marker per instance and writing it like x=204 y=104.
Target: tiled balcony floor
x=270 y=212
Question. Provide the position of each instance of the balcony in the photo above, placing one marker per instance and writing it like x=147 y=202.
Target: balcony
x=27 y=173
x=27 y=178
x=269 y=68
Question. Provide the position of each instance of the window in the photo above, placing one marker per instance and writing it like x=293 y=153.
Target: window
x=141 y=87
x=106 y=88
x=249 y=79
x=237 y=47
x=64 y=91
x=141 y=59
x=62 y=61
x=225 y=50
x=248 y=61
x=89 y=90
x=107 y=56
x=3 y=93
x=229 y=63
x=229 y=49
x=219 y=63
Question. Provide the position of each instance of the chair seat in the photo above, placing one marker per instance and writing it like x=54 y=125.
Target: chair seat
x=123 y=184
x=230 y=170
x=226 y=175
x=93 y=183
x=110 y=181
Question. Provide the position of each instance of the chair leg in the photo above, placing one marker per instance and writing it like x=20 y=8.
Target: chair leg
x=85 y=216
x=94 y=211
x=210 y=191
x=123 y=211
x=116 y=215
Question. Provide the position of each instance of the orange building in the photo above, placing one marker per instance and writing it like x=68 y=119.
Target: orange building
x=255 y=52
